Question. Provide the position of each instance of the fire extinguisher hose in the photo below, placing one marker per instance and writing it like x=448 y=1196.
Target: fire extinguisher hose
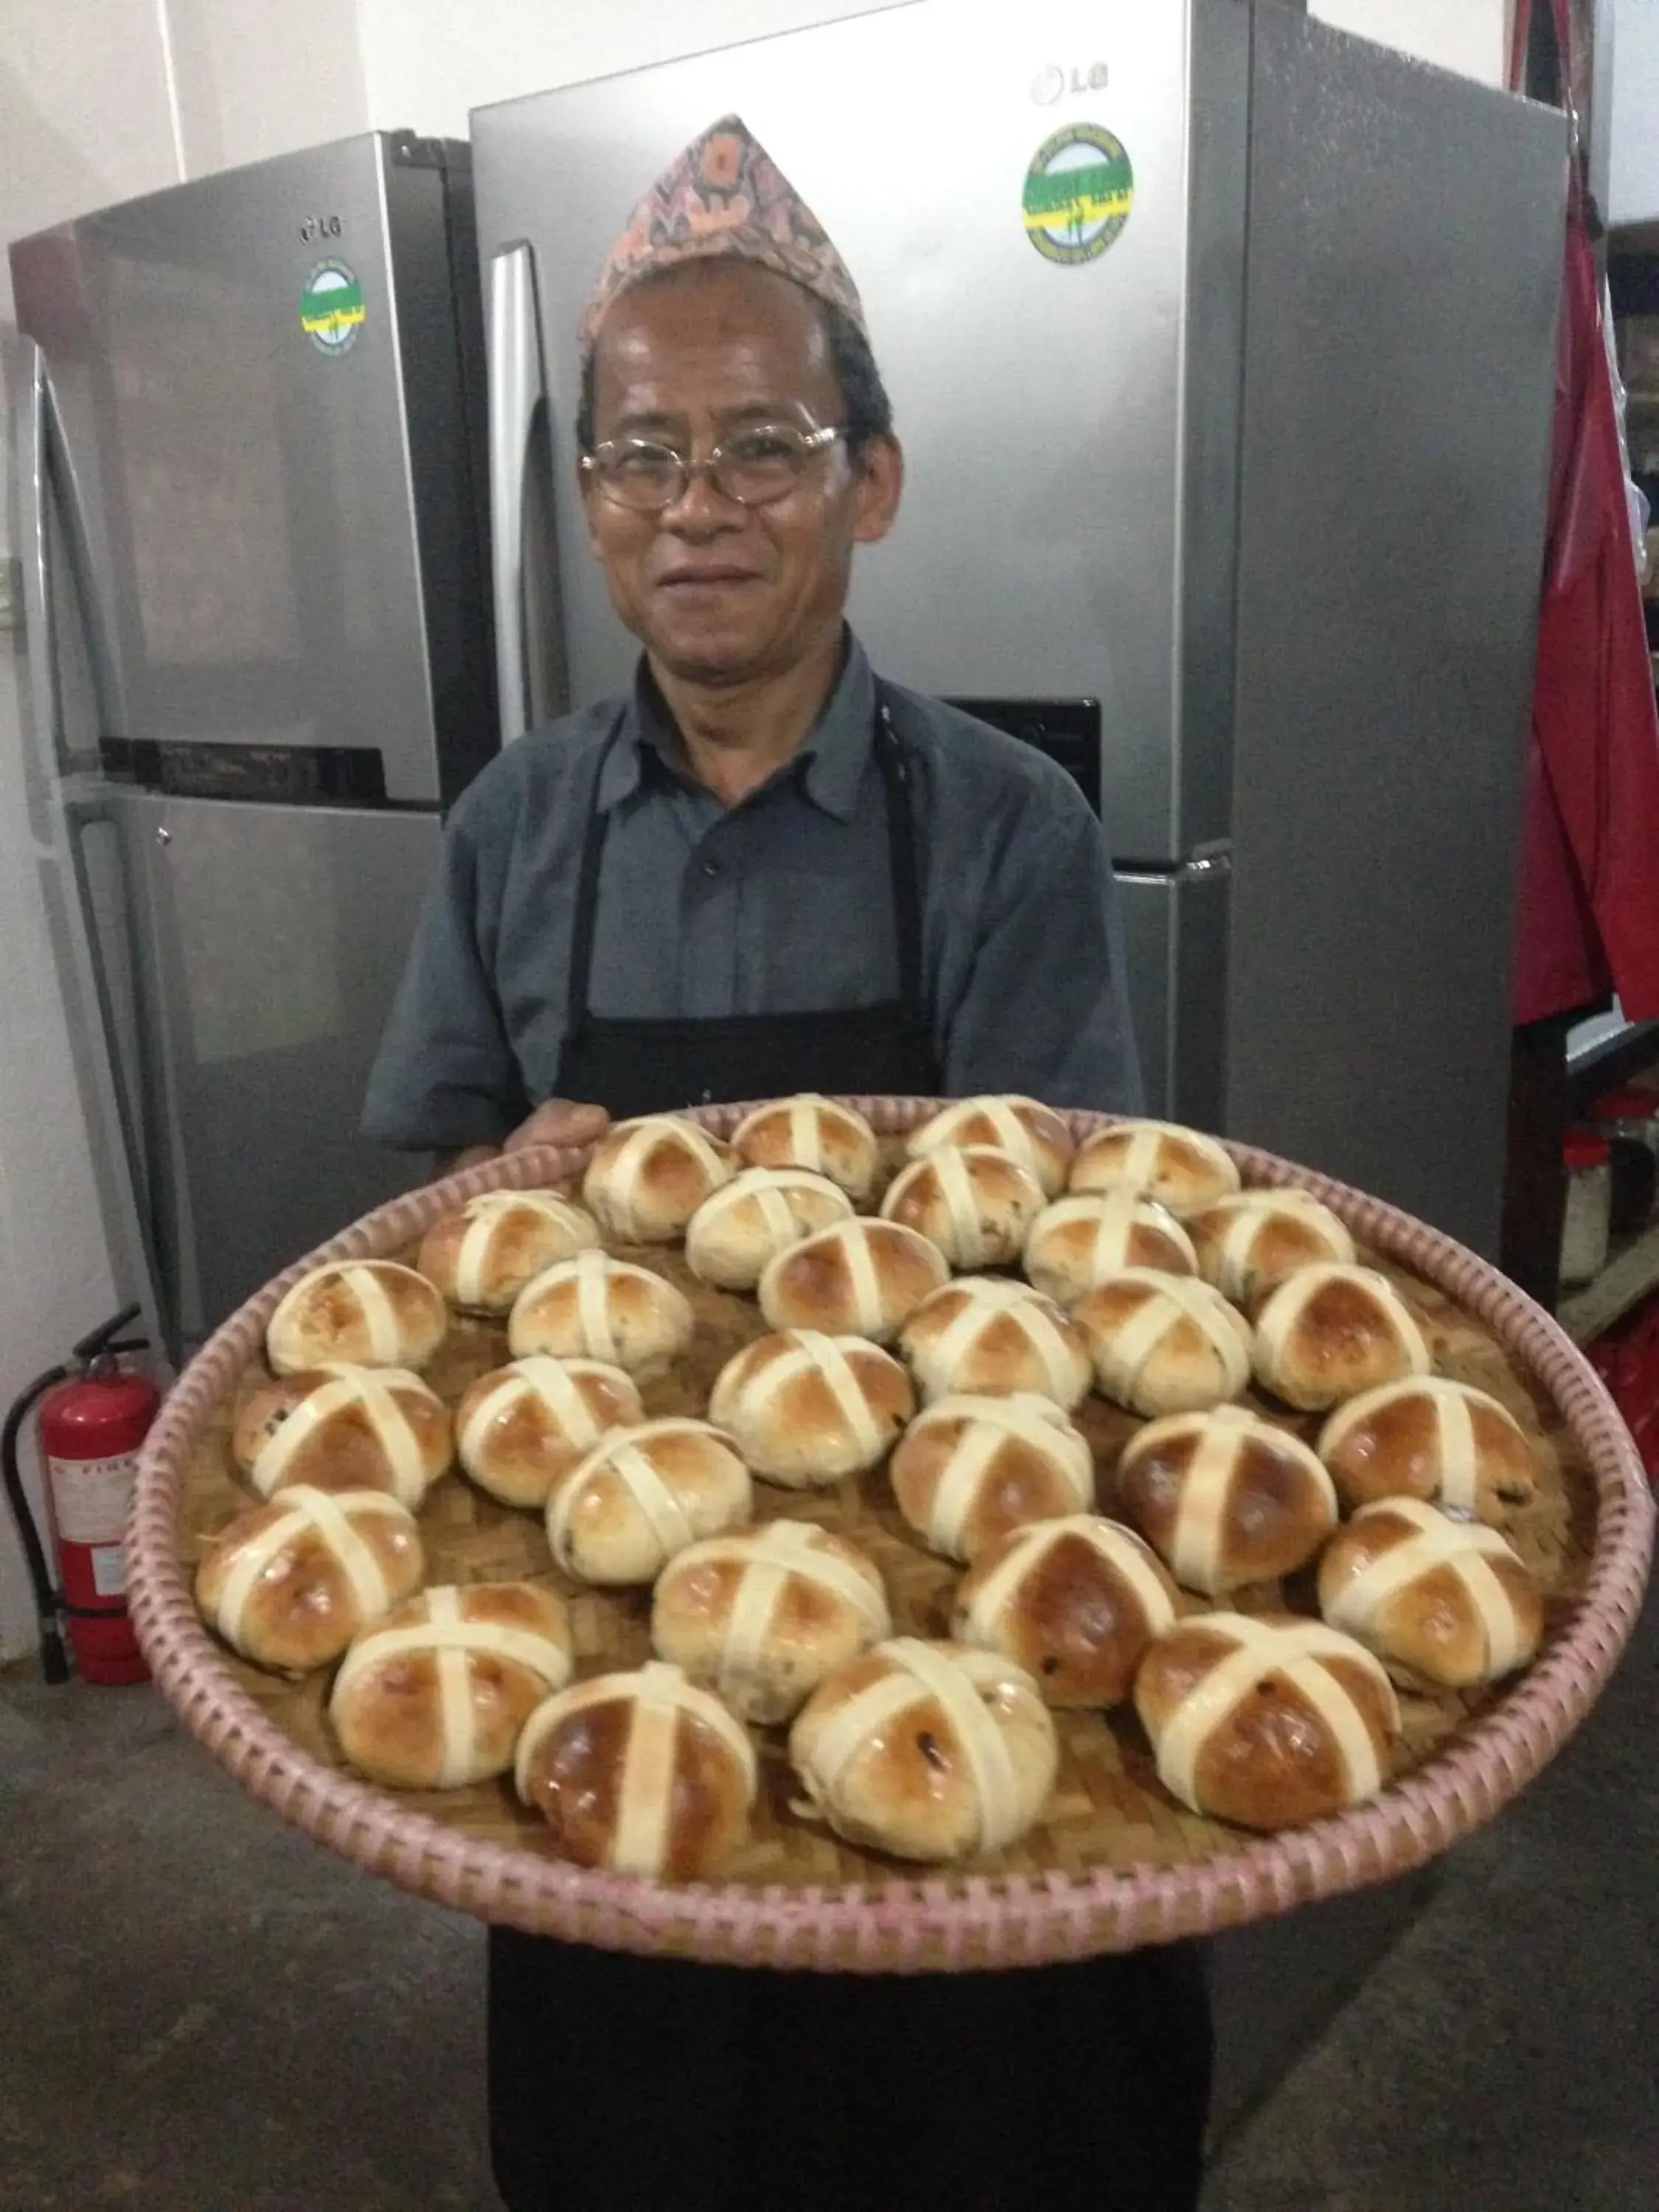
x=48 y=1604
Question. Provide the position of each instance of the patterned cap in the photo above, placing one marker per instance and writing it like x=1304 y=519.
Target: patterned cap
x=725 y=196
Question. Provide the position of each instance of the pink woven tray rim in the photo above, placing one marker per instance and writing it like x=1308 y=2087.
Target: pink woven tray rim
x=926 y=1920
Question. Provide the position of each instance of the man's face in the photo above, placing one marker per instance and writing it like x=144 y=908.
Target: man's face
x=719 y=593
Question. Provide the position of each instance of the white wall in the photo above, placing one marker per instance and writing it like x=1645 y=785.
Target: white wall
x=83 y=119
x=427 y=63
x=257 y=78
x=100 y=99
x=1471 y=36
x=1633 y=144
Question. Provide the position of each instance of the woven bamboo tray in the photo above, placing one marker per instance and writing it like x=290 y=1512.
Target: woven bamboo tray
x=1113 y=1864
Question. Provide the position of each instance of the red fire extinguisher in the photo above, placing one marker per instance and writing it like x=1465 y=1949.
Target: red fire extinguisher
x=94 y=1414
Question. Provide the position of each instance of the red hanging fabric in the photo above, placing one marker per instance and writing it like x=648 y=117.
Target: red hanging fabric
x=1588 y=913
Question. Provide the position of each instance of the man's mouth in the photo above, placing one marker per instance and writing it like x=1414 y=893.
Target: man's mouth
x=715 y=578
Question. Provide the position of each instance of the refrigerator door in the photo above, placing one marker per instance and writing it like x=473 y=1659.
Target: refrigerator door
x=1174 y=939
x=233 y=424
x=1038 y=382
x=1404 y=268
x=262 y=946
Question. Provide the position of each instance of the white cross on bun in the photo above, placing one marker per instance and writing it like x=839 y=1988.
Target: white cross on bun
x=807 y=1410
x=595 y=1306
x=642 y=1495
x=976 y=1204
x=1032 y=1133
x=1163 y=1344
x=1074 y=1602
x=1225 y=1498
x=762 y=1615
x=1449 y=1601
x=819 y=1134
x=434 y=1696
x=1182 y=1168
x=856 y=1278
x=1249 y=1244
x=1081 y=1240
x=346 y=1428
x=521 y=1428
x=931 y=1751
x=482 y=1256
x=648 y=1177
x=288 y=1584
x=1328 y=1332
x=990 y=1335
x=1267 y=1723
x=970 y=1469
x=640 y=1773
x=735 y=1234
x=1431 y=1438
x=372 y=1313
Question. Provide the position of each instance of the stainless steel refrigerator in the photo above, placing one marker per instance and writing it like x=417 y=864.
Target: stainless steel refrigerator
x=254 y=518
x=1221 y=346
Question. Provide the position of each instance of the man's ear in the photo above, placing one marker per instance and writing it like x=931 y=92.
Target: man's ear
x=878 y=488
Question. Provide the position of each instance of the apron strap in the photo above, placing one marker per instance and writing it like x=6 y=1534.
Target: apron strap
x=587 y=893
x=904 y=874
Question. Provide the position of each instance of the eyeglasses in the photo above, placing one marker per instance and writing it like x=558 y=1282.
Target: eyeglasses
x=754 y=467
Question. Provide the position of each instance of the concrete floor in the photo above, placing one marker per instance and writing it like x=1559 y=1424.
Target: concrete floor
x=202 y=2012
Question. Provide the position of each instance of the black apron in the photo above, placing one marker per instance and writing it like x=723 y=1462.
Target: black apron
x=619 y=2084
x=632 y=1068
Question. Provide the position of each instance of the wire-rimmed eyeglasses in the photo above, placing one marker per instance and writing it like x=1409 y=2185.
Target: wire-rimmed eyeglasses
x=755 y=467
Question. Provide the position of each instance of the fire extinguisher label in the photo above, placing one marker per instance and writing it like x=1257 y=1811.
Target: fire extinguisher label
x=109 y=1571
x=89 y=1501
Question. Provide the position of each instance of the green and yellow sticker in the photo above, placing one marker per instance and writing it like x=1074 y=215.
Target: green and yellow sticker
x=1079 y=192
x=331 y=308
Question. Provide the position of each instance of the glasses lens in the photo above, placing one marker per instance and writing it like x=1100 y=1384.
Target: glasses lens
x=641 y=474
x=759 y=465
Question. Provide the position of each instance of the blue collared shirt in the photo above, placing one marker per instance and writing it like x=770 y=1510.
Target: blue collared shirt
x=779 y=904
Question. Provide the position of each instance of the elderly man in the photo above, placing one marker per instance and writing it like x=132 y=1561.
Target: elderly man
x=768 y=870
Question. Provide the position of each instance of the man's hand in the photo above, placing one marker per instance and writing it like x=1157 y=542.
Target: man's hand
x=560 y=1121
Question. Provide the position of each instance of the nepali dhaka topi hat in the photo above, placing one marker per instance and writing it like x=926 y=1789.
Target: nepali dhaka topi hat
x=725 y=197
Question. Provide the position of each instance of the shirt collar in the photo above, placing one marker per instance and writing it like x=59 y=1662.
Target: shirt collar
x=831 y=759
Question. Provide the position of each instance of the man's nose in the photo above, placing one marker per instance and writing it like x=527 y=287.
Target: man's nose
x=703 y=510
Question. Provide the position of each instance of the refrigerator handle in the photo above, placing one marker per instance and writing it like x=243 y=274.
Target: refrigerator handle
x=46 y=700
x=116 y=1093
x=111 y=1101
x=48 y=488
x=517 y=393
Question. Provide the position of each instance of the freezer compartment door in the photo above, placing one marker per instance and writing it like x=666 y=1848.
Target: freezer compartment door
x=1174 y=935
x=256 y=961
x=1037 y=381
x=232 y=420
